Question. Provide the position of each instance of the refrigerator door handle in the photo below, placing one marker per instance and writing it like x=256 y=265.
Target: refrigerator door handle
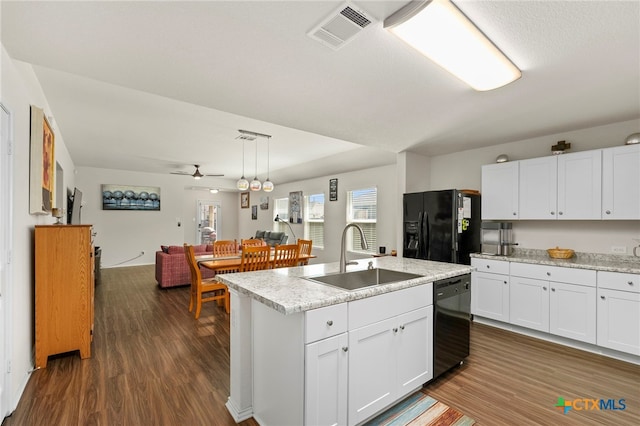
x=425 y=236
x=419 y=239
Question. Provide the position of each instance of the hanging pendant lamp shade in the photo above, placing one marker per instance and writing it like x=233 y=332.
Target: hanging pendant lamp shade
x=256 y=185
x=268 y=186
x=242 y=184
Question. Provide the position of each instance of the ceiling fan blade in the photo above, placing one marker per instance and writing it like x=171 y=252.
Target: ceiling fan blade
x=181 y=173
x=215 y=175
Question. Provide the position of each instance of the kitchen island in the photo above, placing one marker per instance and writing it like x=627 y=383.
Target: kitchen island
x=301 y=349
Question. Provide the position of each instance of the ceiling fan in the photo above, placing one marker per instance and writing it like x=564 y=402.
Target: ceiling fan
x=196 y=175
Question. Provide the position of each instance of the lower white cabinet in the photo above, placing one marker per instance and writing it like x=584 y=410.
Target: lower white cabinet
x=325 y=387
x=388 y=360
x=529 y=303
x=490 y=289
x=619 y=311
x=572 y=311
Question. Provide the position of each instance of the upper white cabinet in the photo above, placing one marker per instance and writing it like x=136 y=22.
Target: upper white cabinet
x=580 y=185
x=621 y=182
x=538 y=188
x=500 y=191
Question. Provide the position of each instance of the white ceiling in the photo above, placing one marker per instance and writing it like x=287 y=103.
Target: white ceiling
x=155 y=86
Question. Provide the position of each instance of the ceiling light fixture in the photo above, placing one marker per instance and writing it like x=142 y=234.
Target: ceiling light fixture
x=267 y=186
x=214 y=190
x=255 y=184
x=242 y=184
x=440 y=31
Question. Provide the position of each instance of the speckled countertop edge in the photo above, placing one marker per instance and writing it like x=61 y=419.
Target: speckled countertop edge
x=287 y=290
x=593 y=261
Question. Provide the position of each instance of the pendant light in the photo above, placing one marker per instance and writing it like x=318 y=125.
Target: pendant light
x=243 y=183
x=267 y=186
x=256 y=185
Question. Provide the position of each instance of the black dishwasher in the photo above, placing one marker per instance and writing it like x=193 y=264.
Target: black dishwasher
x=451 y=322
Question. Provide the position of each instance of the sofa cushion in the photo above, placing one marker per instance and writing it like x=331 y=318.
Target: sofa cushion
x=260 y=234
x=175 y=250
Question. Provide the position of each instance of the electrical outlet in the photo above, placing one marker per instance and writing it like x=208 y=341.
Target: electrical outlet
x=619 y=249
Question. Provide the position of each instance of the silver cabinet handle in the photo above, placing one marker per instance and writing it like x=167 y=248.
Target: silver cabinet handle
x=395 y=330
x=548 y=274
x=552 y=213
x=553 y=289
x=608 y=212
x=505 y=282
x=630 y=282
x=514 y=213
x=329 y=323
x=488 y=266
x=544 y=288
x=560 y=213
x=602 y=297
x=402 y=327
x=345 y=349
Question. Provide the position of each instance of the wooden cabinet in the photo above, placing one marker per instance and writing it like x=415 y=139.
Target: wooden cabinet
x=620 y=188
x=580 y=185
x=500 y=191
x=619 y=311
x=490 y=289
x=64 y=290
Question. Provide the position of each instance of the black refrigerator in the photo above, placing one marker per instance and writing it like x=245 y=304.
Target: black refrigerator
x=442 y=226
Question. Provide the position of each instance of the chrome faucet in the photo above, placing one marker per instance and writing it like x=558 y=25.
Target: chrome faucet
x=343 y=254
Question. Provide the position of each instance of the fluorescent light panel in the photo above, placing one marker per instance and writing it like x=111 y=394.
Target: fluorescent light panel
x=440 y=31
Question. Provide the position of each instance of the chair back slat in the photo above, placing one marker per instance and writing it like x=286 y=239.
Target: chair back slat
x=254 y=258
x=253 y=242
x=225 y=248
x=305 y=249
x=285 y=256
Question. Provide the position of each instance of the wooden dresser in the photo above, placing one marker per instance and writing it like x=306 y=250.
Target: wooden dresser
x=64 y=272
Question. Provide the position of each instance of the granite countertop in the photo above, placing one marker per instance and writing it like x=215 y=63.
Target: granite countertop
x=594 y=261
x=287 y=291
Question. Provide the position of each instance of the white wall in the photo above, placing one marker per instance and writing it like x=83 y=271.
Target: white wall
x=462 y=170
x=122 y=234
x=20 y=89
x=384 y=178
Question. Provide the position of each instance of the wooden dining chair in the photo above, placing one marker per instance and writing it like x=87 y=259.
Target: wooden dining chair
x=225 y=248
x=253 y=242
x=214 y=290
x=304 y=249
x=255 y=258
x=285 y=256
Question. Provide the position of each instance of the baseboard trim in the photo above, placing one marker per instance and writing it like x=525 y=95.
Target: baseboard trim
x=238 y=415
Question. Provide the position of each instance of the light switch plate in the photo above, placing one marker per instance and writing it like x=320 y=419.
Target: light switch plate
x=619 y=249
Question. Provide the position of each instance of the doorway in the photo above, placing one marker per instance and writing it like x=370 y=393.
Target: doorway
x=6 y=197
x=208 y=221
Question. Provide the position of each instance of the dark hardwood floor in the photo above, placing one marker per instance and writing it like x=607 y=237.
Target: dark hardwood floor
x=153 y=364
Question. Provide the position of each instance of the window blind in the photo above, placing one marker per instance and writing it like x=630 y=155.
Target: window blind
x=362 y=208
x=314 y=219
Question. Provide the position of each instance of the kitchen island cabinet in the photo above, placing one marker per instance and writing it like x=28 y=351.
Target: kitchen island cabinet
x=289 y=348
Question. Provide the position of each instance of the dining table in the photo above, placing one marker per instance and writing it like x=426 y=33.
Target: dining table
x=225 y=263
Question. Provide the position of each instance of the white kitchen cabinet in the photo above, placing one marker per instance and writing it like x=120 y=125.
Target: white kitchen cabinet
x=538 y=188
x=529 y=303
x=621 y=182
x=500 y=191
x=490 y=289
x=326 y=367
x=619 y=311
x=388 y=360
x=554 y=299
x=580 y=185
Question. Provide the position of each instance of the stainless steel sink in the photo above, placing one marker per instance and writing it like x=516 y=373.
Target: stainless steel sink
x=359 y=279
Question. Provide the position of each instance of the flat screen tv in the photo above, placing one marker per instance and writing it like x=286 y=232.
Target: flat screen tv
x=74 y=208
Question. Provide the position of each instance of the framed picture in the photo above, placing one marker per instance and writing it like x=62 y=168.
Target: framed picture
x=244 y=200
x=42 y=163
x=295 y=207
x=264 y=203
x=254 y=212
x=129 y=197
x=333 y=189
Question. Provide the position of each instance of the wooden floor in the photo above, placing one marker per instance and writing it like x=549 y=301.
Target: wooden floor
x=153 y=364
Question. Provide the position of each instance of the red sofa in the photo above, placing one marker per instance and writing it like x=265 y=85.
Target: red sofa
x=171 y=265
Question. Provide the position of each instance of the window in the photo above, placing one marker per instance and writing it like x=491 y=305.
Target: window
x=362 y=207
x=314 y=219
x=281 y=209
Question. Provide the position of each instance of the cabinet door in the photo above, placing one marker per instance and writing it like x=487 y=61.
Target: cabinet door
x=372 y=369
x=620 y=177
x=415 y=349
x=500 y=191
x=572 y=310
x=619 y=320
x=326 y=363
x=538 y=185
x=529 y=303
x=580 y=185
x=490 y=296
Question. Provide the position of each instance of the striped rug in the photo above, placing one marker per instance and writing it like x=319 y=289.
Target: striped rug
x=421 y=410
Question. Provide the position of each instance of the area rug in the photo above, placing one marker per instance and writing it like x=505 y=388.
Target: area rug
x=421 y=410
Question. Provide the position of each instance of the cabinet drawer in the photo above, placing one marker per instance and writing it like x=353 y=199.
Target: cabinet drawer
x=619 y=281
x=325 y=322
x=493 y=266
x=554 y=273
x=377 y=308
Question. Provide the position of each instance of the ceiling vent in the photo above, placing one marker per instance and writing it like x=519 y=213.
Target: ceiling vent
x=342 y=26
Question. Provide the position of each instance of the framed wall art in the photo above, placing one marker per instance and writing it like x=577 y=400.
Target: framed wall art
x=264 y=203
x=244 y=200
x=129 y=197
x=333 y=189
x=42 y=163
x=295 y=207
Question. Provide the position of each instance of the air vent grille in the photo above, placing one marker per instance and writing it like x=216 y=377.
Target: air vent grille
x=343 y=25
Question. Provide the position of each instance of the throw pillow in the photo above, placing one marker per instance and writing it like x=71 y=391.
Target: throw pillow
x=164 y=249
